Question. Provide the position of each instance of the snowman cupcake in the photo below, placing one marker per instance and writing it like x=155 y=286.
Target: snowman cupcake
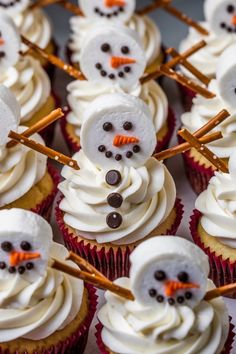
x=42 y=309
x=25 y=180
x=25 y=77
x=199 y=170
x=121 y=195
x=112 y=60
x=168 y=278
x=33 y=24
x=100 y=13
x=213 y=223
x=220 y=21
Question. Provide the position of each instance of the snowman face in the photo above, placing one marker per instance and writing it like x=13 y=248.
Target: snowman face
x=113 y=55
x=221 y=15
x=24 y=246
x=9 y=42
x=110 y=10
x=118 y=131
x=13 y=7
x=9 y=114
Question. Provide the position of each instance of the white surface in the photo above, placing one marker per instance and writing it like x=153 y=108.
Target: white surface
x=173 y=31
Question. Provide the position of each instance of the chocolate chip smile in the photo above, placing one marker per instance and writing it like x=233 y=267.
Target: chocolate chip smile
x=108 y=15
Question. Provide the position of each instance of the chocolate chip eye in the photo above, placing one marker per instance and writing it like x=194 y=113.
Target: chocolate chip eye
x=127 y=126
x=183 y=277
x=152 y=292
x=160 y=275
x=6 y=246
x=125 y=49
x=25 y=246
x=105 y=47
x=230 y=9
x=107 y=126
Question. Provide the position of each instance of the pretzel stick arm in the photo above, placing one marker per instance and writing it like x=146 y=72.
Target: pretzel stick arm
x=213 y=123
x=84 y=265
x=222 y=291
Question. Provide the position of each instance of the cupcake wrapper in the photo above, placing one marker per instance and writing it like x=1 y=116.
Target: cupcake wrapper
x=75 y=343
x=187 y=96
x=113 y=262
x=227 y=348
x=45 y=208
x=222 y=272
x=163 y=144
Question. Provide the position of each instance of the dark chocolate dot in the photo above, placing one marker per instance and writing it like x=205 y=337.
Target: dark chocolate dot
x=125 y=49
x=230 y=8
x=108 y=154
x=105 y=47
x=25 y=246
x=101 y=148
x=235 y=30
x=103 y=73
x=11 y=270
x=160 y=298
x=112 y=76
x=121 y=9
x=2 y=265
x=127 y=125
x=6 y=246
x=121 y=74
x=160 y=275
x=21 y=270
x=29 y=265
x=152 y=292
x=98 y=66
x=129 y=154
x=115 y=13
x=127 y=69
x=188 y=295
x=113 y=177
x=2 y=54
x=230 y=29
x=136 y=149
x=115 y=200
x=96 y=10
x=114 y=220
x=108 y=15
x=101 y=14
x=107 y=126
x=235 y=91
x=180 y=299
x=118 y=157
x=171 y=301
x=222 y=25
x=183 y=277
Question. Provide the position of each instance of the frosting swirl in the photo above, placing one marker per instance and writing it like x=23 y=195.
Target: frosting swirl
x=148 y=194
x=29 y=83
x=20 y=169
x=132 y=328
x=36 y=310
x=206 y=59
x=146 y=29
x=82 y=93
x=202 y=112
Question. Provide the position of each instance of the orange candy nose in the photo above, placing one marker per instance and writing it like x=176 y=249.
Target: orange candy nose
x=171 y=286
x=2 y=41
x=120 y=140
x=233 y=20
x=116 y=62
x=16 y=258
x=111 y=3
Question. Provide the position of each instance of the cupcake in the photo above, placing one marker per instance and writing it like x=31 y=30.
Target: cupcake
x=33 y=24
x=221 y=26
x=42 y=309
x=100 y=13
x=25 y=180
x=112 y=60
x=25 y=77
x=121 y=195
x=170 y=312
x=200 y=170
x=213 y=224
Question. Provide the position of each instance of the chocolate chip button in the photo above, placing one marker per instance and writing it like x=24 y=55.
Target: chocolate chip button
x=113 y=177
x=114 y=220
x=115 y=200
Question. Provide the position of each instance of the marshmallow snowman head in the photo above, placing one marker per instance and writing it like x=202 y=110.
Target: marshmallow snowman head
x=226 y=75
x=113 y=55
x=9 y=114
x=232 y=164
x=13 y=7
x=9 y=42
x=25 y=240
x=118 y=131
x=110 y=10
x=168 y=269
x=221 y=16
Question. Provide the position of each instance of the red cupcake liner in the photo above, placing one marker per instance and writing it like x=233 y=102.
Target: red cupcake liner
x=222 y=271
x=187 y=96
x=163 y=144
x=227 y=348
x=45 y=207
x=75 y=343
x=113 y=262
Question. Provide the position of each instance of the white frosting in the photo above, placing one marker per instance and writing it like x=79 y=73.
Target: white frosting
x=202 y=112
x=148 y=194
x=30 y=85
x=82 y=93
x=218 y=205
x=146 y=29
